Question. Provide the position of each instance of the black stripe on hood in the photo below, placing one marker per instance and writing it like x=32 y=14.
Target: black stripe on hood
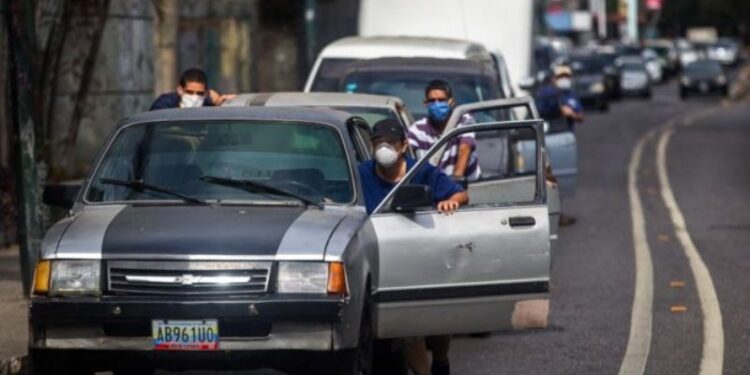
x=185 y=230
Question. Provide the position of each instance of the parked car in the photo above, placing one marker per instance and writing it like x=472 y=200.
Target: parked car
x=609 y=57
x=726 y=51
x=634 y=77
x=654 y=65
x=589 y=79
x=237 y=237
x=687 y=52
x=667 y=52
x=703 y=77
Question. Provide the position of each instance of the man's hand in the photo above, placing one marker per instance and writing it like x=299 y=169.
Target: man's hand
x=219 y=99
x=447 y=207
x=569 y=112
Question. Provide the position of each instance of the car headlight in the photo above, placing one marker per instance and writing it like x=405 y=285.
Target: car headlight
x=685 y=80
x=597 y=87
x=311 y=277
x=721 y=80
x=75 y=277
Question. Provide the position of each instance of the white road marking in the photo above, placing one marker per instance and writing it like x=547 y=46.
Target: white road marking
x=712 y=360
x=639 y=340
x=641 y=320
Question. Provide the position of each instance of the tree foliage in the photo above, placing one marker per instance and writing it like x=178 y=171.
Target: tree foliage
x=730 y=17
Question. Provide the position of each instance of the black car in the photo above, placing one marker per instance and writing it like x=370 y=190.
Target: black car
x=609 y=57
x=590 y=80
x=704 y=76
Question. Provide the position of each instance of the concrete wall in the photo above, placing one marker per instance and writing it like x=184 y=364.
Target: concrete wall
x=122 y=80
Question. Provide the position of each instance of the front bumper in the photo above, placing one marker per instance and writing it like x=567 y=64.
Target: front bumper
x=267 y=323
x=703 y=86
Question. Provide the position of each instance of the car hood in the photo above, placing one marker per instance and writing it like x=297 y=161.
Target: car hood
x=194 y=232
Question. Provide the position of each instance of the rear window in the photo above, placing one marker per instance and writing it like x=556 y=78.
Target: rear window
x=329 y=74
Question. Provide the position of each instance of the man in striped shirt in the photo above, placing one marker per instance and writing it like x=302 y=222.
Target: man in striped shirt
x=459 y=159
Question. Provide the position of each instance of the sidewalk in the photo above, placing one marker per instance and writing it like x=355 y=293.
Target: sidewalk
x=13 y=322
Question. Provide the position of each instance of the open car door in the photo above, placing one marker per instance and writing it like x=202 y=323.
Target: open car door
x=469 y=271
x=520 y=109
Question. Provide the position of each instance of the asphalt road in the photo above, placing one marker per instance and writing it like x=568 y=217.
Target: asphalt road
x=594 y=270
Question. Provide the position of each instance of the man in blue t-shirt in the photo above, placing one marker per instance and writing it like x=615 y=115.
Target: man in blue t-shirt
x=558 y=102
x=378 y=178
x=391 y=163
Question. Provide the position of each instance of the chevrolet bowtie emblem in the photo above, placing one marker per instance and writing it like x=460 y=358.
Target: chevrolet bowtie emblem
x=188 y=279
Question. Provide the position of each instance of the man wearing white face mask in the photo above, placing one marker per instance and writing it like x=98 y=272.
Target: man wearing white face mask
x=391 y=163
x=558 y=102
x=192 y=92
x=378 y=178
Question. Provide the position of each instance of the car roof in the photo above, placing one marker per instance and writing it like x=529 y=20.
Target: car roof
x=296 y=114
x=403 y=46
x=314 y=99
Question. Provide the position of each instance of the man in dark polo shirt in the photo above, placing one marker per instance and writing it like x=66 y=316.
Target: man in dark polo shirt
x=192 y=92
x=378 y=178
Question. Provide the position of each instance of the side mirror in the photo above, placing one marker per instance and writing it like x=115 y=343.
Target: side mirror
x=409 y=198
x=527 y=84
x=61 y=195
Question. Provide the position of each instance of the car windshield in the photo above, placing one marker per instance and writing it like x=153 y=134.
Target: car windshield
x=329 y=74
x=587 y=64
x=306 y=160
x=410 y=85
x=633 y=66
x=704 y=67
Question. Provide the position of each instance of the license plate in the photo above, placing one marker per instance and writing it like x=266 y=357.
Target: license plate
x=704 y=87
x=185 y=334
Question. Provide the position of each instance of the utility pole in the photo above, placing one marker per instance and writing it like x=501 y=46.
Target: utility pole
x=311 y=31
x=165 y=37
x=633 y=20
x=20 y=22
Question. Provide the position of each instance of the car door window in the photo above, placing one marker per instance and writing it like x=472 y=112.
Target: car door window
x=502 y=168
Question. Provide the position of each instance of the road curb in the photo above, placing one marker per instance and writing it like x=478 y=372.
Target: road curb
x=14 y=366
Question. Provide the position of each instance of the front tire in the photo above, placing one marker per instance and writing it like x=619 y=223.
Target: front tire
x=358 y=361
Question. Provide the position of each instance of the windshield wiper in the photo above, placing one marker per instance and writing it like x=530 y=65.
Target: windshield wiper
x=257 y=187
x=140 y=186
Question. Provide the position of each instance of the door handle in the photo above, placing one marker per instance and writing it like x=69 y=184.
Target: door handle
x=522 y=221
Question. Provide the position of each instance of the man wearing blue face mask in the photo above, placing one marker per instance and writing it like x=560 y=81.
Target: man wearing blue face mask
x=459 y=158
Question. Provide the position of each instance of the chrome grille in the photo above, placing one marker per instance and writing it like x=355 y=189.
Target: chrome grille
x=187 y=278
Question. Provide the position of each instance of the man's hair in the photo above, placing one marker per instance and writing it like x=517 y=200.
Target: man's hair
x=193 y=75
x=439 y=84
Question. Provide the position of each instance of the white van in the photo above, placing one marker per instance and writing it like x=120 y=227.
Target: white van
x=336 y=58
